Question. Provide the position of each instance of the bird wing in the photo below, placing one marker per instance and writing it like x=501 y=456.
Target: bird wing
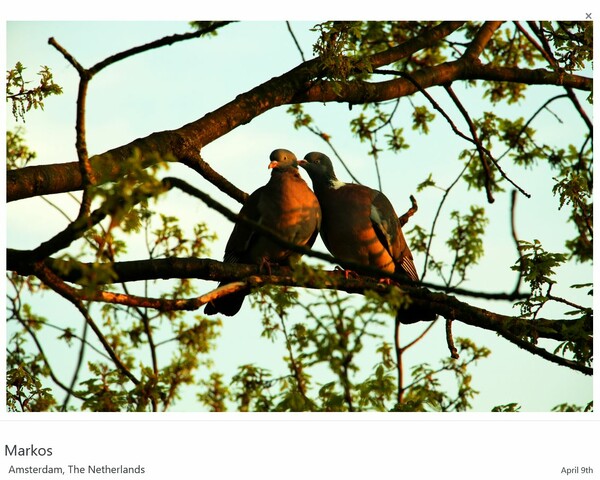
x=242 y=236
x=387 y=228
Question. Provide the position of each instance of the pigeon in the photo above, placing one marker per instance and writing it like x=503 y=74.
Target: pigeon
x=360 y=225
x=287 y=206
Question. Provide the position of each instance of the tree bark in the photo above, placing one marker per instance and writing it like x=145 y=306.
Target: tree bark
x=299 y=85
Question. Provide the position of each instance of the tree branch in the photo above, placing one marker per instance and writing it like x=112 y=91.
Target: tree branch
x=251 y=277
x=162 y=42
x=514 y=329
x=196 y=163
x=55 y=379
x=450 y=340
x=56 y=284
x=476 y=141
x=182 y=144
x=295 y=86
x=427 y=39
x=88 y=179
x=403 y=219
x=549 y=55
x=482 y=38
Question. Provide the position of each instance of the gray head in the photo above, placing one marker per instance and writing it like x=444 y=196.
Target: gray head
x=282 y=159
x=319 y=167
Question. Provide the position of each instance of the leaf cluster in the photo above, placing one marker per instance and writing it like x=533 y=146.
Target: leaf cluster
x=26 y=392
x=425 y=393
x=18 y=154
x=573 y=42
x=328 y=343
x=537 y=265
x=339 y=51
x=23 y=97
x=129 y=332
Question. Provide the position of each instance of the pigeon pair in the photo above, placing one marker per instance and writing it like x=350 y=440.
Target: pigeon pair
x=356 y=223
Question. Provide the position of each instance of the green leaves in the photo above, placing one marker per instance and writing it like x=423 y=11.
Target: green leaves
x=326 y=344
x=25 y=391
x=137 y=183
x=170 y=240
x=422 y=116
x=18 y=154
x=301 y=119
x=428 y=182
x=466 y=240
x=573 y=42
x=569 y=407
x=250 y=389
x=425 y=393
x=465 y=243
x=23 y=98
x=574 y=188
x=508 y=407
x=339 y=50
x=519 y=139
x=536 y=265
x=324 y=367
x=104 y=391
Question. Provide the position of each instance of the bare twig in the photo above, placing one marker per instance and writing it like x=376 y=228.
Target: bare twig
x=437 y=215
x=476 y=141
x=545 y=354
x=327 y=139
x=533 y=41
x=65 y=291
x=484 y=153
x=295 y=367
x=71 y=335
x=537 y=112
x=513 y=229
x=33 y=335
x=85 y=167
x=450 y=340
x=376 y=163
x=549 y=55
x=78 y=366
x=289 y=27
x=399 y=361
x=431 y=100
x=143 y=315
x=165 y=41
x=403 y=219
x=400 y=351
x=197 y=163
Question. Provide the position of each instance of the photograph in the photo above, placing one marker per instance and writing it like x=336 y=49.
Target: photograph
x=318 y=223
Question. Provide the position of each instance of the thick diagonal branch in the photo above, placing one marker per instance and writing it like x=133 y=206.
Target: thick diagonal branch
x=298 y=85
